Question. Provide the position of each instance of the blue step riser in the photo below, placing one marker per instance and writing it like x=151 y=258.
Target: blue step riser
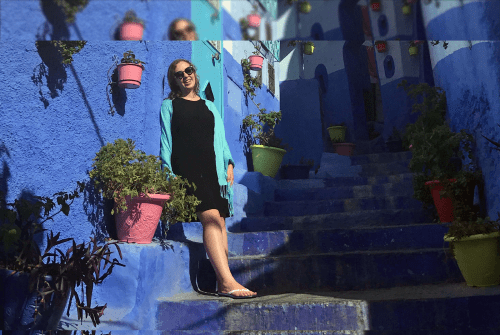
x=314 y=242
x=345 y=272
x=344 y=221
x=374 y=180
x=216 y=316
x=381 y=158
x=296 y=208
x=344 y=192
x=384 y=169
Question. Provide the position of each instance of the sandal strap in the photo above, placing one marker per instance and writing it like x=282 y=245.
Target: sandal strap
x=239 y=290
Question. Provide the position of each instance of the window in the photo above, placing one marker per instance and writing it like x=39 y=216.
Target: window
x=269 y=32
x=216 y=45
x=259 y=76
x=270 y=71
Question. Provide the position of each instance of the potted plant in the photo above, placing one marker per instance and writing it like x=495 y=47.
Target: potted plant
x=130 y=71
x=309 y=48
x=297 y=171
x=337 y=135
x=141 y=190
x=381 y=46
x=440 y=178
x=256 y=60
x=394 y=142
x=413 y=49
x=36 y=286
x=474 y=244
x=406 y=7
x=375 y=5
x=253 y=18
x=305 y=7
x=71 y=7
x=132 y=27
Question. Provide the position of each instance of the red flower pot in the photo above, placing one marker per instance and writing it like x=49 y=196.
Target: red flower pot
x=138 y=223
x=253 y=20
x=444 y=206
x=131 y=31
x=375 y=6
x=256 y=62
x=129 y=75
x=344 y=149
x=381 y=46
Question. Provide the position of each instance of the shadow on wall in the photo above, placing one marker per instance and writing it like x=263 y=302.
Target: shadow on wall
x=98 y=212
x=51 y=68
x=118 y=95
x=5 y=174
x=55 y=18
x=246 y=138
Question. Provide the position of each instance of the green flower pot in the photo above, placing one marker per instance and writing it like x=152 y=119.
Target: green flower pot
x=267 y=160
x=413 y=51
x=305 y=7
x=406 y=9
x=478 y=258
x=309 y=48
x=337 y=133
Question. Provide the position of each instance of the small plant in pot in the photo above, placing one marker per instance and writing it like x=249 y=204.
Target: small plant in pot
x=474 y=244
x=253 y=18
x=256 y=60
x=36 y=285
x=440 y=178
x=141 y=189
x=297 y=171
x=337 y=136
x=305 y=7
x=394 y=143
x=375 y=5
x=413 y=49
x=130 y=71
x=132 y=27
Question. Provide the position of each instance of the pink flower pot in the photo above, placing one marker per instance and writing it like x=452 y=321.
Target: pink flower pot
x=131 y=31
x=129 y=75
x=344 y=149
x=256 y=62
x=138 y=223
x=253 y=20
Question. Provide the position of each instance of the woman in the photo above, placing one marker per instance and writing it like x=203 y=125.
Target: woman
x=182 y=30
x=194 y=146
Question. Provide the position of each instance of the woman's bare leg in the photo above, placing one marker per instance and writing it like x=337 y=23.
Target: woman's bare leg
x=215 y=243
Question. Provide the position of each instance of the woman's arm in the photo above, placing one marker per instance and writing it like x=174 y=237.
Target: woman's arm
x=166 y=135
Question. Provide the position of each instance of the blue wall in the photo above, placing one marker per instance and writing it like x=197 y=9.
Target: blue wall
x=57 y=118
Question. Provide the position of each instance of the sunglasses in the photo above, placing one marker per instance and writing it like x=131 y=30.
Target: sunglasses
x=180 y=74
x=180 y=33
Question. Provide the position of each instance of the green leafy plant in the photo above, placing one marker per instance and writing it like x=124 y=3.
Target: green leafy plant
x=433 y=145
x=131 y=17
x=129 y=57
x=66 y=49
x=79 y=266
x=71 y=7
x=474 y=225
x=119 y=171
x=271 y=119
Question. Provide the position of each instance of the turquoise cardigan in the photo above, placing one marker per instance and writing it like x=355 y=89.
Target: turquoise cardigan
x=222 y=154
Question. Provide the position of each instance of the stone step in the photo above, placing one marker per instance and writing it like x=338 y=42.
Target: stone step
x=306 y=242
x=359 y=191
x=390 y=168
x=316 y=207
x=385 y=157
x=342 y=271
x=438 y=309
x=366 y=218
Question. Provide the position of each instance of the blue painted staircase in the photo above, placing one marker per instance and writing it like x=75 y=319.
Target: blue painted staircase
x=351 y=254
x=347 y=251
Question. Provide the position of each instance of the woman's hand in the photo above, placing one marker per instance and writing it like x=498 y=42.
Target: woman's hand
x=230 y=175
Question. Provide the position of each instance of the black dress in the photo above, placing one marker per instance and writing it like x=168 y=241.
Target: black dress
x=193 y=155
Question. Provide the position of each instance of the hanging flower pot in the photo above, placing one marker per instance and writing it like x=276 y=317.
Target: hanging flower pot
x=344 y=149
x=406 y=9
x=375 y=5
x=131 y=31
x=305 y=7
x=253 y=20
x=138 y=223
x=309 y=48
x=130 y=71
x=413 y=50
x=256 y=62
x=132 y=27
x=381 y=46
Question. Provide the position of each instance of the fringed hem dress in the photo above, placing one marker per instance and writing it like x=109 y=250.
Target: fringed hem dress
x=193 y=155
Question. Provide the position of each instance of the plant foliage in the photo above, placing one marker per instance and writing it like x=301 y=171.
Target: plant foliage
x=129 y=57
x=131 y=16
x=71 y=7
x=79 y=266
x=66 y=49
x=120 y=171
